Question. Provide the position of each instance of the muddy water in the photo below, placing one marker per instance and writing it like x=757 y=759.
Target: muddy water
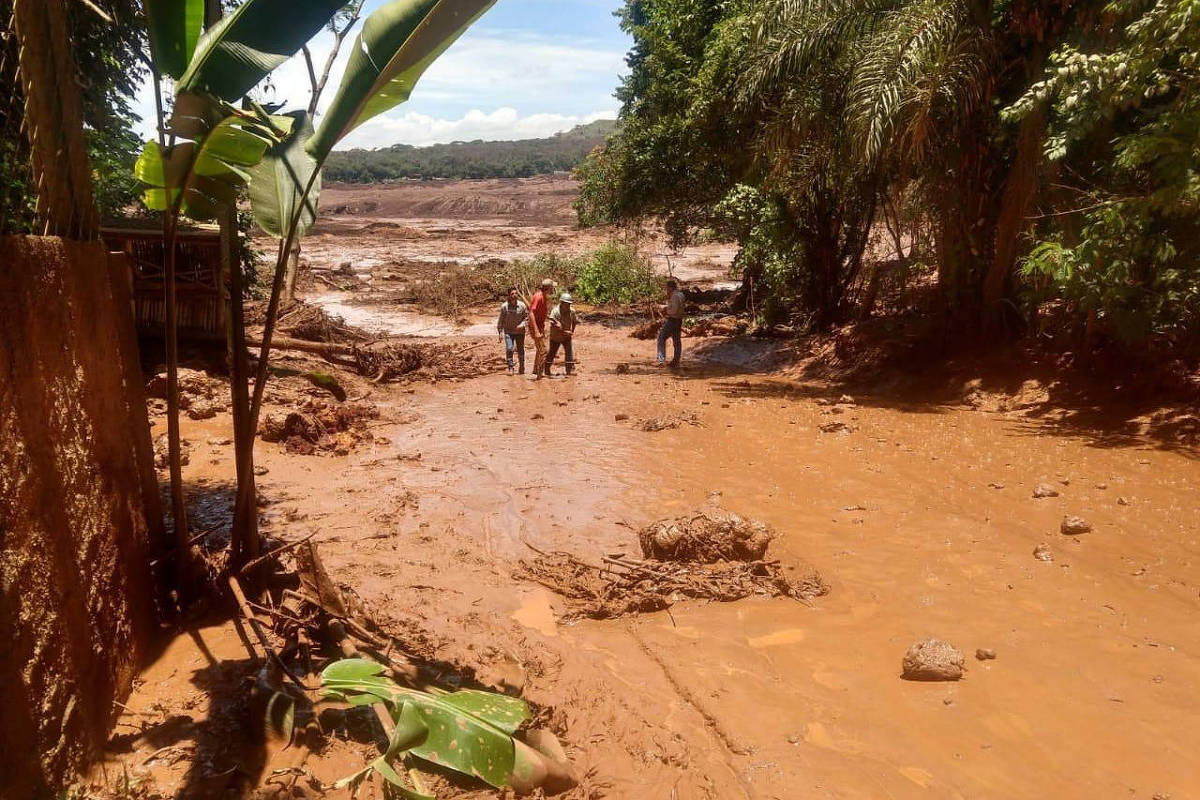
x=1093 y=693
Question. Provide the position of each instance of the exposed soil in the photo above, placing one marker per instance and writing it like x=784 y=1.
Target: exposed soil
x=916 y=507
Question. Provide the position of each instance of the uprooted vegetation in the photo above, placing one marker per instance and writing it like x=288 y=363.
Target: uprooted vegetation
x=311 y=329
x=710 y=555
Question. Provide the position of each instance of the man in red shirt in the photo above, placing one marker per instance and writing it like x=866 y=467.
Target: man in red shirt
x=539 y=309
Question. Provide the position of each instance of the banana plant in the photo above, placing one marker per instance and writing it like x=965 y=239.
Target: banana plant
x=398 y=42
x=215 y=147
x=469 y=732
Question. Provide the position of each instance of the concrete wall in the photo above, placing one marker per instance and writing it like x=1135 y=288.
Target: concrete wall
x=79 y=510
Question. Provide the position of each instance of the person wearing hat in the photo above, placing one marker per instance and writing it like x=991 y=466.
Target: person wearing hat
x=539 y=308
x=562 y=330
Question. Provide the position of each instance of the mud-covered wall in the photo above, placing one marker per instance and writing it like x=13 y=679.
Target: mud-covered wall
x=79 y=508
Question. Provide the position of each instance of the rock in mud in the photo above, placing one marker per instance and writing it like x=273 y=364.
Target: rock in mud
x=1042 y=553
x=706 y=537
x=985 y=654
x=835 y=427
x=1044 y=490
x=1074 y=526
x=932 y=660
x=202 y=408
x=621 y=417
x=162 y=452
x=1121 y=501
x=622 y=368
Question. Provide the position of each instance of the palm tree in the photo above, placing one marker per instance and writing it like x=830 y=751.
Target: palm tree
x=920 y=85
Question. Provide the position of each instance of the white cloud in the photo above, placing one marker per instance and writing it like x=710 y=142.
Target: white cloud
x=504 y=123
x=556 y=83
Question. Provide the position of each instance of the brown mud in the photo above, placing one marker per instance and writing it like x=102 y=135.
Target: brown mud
x=917 y=510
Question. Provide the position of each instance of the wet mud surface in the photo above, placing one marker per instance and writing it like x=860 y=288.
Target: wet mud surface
x=919 y=516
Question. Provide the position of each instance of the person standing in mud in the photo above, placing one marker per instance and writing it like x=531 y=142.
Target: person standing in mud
x=539 y=310
x=562 y=332
x=672 y=327
x=514 y=316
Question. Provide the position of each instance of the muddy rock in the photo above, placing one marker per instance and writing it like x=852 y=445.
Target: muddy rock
x=621 y=417
x=707 y=537
x=1045 y=490
x=1074 y=526
x=203 y=408
x=162 y=452
x=985 y=654
x=622 y=368
x=835 y=427
x=1121 y=501
x=932 y=660
x=1042 y=553
x=193 y=385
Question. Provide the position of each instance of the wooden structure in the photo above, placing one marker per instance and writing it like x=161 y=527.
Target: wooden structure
x=202 y=277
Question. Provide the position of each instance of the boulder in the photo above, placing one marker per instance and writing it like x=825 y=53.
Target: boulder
x=1074 y=526
x=932 y=660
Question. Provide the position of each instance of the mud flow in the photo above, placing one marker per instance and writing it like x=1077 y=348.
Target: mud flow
x=916 y=518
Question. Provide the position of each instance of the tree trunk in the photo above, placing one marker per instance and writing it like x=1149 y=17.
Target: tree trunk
x=244 y=539
x=1016 y=201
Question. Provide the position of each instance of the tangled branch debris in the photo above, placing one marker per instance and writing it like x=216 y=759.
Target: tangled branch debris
x=655 y=424
x=314 y=324
x=392 y=361
x=711 y=555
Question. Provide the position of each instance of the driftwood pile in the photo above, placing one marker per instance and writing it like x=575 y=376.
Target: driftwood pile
x=710 y=555
x=312 y=323
x=391 y=361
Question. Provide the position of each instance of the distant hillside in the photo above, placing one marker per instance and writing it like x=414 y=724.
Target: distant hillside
x=478 y=159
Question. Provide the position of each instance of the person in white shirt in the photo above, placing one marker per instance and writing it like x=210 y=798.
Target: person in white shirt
x=672 y=327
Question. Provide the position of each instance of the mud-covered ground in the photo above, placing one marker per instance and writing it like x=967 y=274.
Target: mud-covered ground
x=917 y=509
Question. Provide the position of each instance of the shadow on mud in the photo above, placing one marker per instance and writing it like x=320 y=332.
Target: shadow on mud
x=226 y=750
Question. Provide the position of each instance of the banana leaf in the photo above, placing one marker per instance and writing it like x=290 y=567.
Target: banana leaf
x=174 y=28
x=244 y=47
x=397 y=44
x=467 y=731
x=207 y=172
x=279 y=181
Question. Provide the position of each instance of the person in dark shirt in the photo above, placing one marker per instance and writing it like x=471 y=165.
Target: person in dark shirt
x=514 y=316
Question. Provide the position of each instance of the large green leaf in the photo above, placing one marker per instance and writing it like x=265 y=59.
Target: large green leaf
x=244 y=47
x=207 y=172
x=279 y=181
x=397 y=43
x=466 y=732
x=174 y=28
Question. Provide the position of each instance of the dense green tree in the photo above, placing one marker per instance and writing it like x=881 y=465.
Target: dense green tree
x=1122 y=242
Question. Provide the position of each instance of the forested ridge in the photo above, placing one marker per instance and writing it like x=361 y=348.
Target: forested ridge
x=477 y=159
x=1035 y=163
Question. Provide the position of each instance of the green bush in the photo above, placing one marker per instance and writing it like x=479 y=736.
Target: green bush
x=616 y=273
x=527 y=273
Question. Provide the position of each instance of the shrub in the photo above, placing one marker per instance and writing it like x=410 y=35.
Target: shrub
x=616 y=273
x=527 y=273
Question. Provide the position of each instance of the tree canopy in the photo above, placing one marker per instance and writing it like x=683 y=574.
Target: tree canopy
x=478 y=159
x=1029 y=153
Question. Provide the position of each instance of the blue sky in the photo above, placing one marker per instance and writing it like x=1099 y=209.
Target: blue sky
x=527 y=68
